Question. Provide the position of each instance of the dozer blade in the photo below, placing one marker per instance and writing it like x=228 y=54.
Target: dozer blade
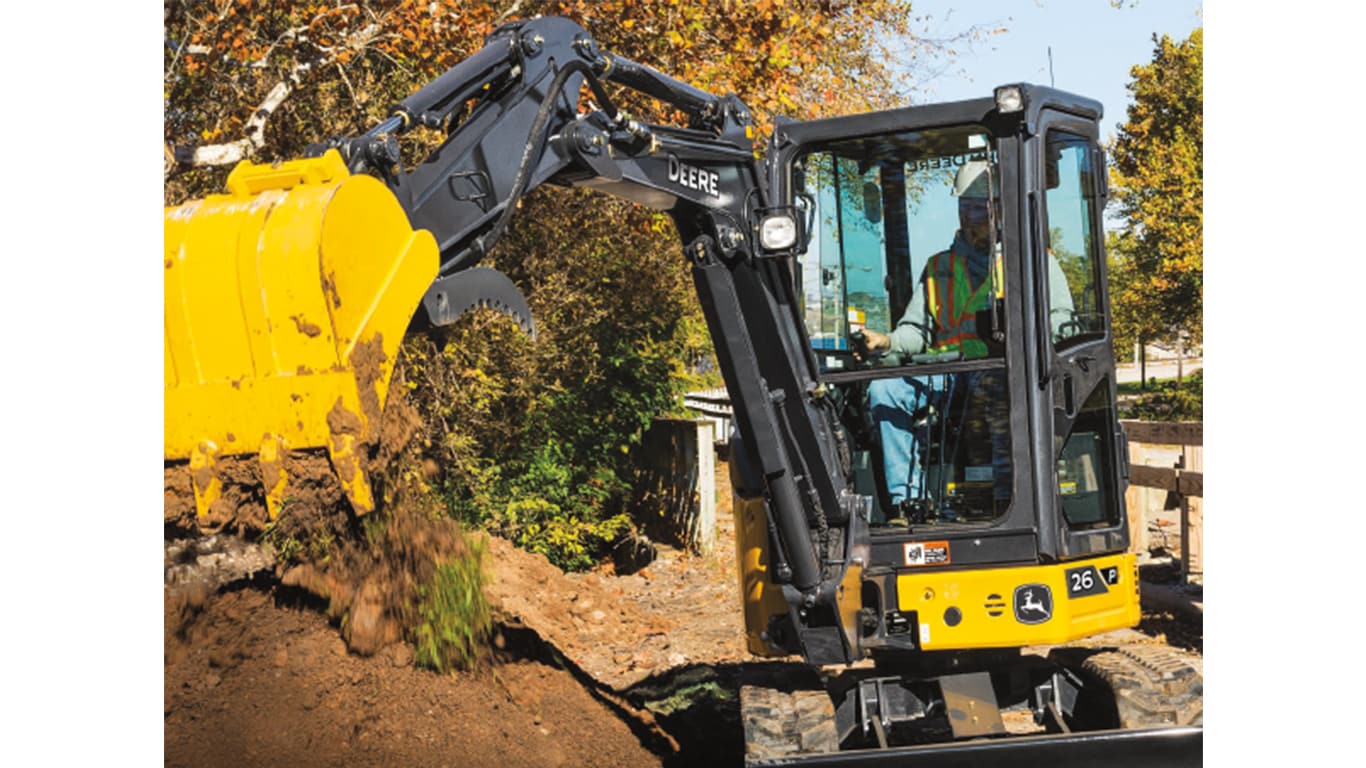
x=286 y=301
x=1181 y=747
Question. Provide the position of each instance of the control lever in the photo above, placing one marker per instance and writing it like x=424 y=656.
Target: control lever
x=859 y=340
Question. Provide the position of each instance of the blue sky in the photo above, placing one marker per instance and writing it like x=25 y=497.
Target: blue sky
x=1094 y=45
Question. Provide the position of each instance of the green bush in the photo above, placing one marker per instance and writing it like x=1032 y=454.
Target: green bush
x=553 y=511
x=1169 y=401
x=536 y=440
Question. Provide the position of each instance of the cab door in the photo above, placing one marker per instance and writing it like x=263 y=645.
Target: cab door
x=1074 y=335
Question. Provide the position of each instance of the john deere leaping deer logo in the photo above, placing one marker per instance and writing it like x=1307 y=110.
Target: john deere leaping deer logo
x=1033 y=604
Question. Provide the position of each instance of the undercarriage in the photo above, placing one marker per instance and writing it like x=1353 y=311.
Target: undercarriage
x=1071 y=705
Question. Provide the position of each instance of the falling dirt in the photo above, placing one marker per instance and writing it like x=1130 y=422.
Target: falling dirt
x=399 y=422
x=371 y=587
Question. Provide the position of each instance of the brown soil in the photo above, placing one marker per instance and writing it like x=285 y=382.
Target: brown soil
x=680 y=610
x=178 y=507
x=312 y=490
x=262 y=681
x=587 y=669
x=583 y=669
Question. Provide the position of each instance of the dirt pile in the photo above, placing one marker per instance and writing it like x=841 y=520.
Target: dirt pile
x=257 y=672
x=263 y=680
x=681 y=610
x=585 y=669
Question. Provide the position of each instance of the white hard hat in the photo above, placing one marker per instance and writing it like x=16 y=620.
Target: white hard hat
x=972 y=180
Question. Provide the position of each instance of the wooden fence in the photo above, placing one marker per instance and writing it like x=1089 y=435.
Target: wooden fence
x=676 y=483
x=1167 y=458
x=714 y=405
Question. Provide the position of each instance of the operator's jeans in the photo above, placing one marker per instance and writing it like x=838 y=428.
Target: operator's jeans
x=893 y=404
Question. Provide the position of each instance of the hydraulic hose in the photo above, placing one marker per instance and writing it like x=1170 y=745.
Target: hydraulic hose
x=530 y=155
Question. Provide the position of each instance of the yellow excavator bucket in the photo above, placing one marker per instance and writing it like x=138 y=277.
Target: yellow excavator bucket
x=286 y=302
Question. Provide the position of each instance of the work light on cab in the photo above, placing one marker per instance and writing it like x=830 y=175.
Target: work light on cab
x=1009 y=98
x=778 y=232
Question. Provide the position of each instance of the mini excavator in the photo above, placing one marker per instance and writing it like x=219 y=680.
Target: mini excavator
x=935 y=529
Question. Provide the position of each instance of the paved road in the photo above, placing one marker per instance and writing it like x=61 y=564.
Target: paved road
x=1127 y=372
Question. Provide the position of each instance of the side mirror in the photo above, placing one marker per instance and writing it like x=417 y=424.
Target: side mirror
x=872 y=202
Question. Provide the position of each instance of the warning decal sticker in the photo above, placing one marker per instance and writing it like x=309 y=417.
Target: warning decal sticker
x=927 y=553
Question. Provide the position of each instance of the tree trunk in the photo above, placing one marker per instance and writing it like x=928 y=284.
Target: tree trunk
x=1142 y=366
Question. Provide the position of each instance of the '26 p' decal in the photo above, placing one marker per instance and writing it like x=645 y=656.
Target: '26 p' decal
x=1086 y=580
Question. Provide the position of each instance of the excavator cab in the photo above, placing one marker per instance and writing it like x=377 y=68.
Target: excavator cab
x=967 y=237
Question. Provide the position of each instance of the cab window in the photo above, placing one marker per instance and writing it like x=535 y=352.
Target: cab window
x=904 y=248
x=1072 y=246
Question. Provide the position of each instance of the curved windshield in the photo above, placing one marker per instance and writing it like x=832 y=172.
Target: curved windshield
x=904 y=263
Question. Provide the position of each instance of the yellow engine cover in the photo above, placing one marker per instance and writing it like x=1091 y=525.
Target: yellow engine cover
x=958 y=609
x=285 y=304
x=1010 y=607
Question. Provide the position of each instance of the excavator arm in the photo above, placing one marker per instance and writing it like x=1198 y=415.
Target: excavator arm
x=513 y=121
x=525 y=128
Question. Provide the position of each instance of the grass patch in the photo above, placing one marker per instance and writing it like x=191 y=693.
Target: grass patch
x=455 y=620
x=707 y=693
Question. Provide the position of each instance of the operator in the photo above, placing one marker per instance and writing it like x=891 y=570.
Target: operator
x=942 y=313
x=943 y=316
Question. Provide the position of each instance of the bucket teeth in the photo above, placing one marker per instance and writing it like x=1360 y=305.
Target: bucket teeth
x=273 y=474
x=204 y=478
x=344 y=450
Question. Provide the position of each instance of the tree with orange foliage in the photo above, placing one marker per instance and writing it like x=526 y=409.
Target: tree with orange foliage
x=263 y=79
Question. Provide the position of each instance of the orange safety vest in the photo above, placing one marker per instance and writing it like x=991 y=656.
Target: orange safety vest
x=954 y=302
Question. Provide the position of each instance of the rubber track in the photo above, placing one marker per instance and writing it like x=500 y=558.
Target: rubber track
x=780 y=724
x=1153 y=685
